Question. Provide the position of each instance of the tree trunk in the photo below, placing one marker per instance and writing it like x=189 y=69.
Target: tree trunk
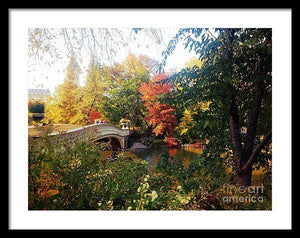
x=244 y=178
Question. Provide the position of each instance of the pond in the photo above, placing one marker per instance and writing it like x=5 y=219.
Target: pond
x=152 y=155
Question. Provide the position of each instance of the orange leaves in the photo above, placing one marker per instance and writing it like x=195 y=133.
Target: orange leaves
x=53 y=192
x=150 y=91
x=159 y=115
x=158 y=129
x=173 y=151
x=159 y=77
x=171 y=142
x=46 y=180
x=29 y=104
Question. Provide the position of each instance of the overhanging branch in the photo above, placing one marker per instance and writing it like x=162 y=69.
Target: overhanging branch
x=257 y=150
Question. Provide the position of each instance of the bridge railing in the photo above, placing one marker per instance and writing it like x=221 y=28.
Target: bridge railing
x=89 y=132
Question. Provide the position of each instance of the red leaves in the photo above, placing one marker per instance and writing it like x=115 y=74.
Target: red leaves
x=197 y=145
x=171 y=142
x=159 y=115
x=94 y=115
x=159 y=77
x=150 y=91
x=29 y=104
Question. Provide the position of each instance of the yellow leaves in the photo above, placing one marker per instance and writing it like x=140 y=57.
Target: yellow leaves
x=178 y=86
x=53 y=192
x=223 y=155
x=186 y=162
x=204 y=106
x=179 y=187
x=183 y=131
x=183 y=199
x=185 y=122
x=109 y=203
x=145 y=195
x=173 y=187
x=75 y=163
x=194 y=61
x=158 y=129
x=153 y=195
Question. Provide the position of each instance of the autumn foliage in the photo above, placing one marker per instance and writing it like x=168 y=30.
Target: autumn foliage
x=171 y=142
x=151 y=90
x=162 y=118
x=160 y=115
x=94 y=115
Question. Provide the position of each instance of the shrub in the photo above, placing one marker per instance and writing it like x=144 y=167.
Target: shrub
x=37 y=107
x=76 y=177
x=64 y=177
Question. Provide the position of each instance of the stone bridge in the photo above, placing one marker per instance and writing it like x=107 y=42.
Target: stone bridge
x=118 y=137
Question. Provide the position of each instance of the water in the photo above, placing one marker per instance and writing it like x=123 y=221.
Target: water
x=152 y=155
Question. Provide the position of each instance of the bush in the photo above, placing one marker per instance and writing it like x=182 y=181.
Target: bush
x=77 y=177
x=64 y=177
x=37 y=108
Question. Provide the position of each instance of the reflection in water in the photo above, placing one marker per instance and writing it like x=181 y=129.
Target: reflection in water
x=193 y=150
x=152 y=155
x=173 y=151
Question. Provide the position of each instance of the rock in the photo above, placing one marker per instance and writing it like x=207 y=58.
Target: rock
x=136 y=146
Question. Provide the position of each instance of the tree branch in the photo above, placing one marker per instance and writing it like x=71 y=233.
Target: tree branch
x=91 y=106
x=211 y=34
x=253 y=119
x=257 y=151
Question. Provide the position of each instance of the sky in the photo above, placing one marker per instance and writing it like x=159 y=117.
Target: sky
x=44 y=75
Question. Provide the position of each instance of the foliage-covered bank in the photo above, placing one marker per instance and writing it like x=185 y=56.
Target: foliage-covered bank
x=62 y=177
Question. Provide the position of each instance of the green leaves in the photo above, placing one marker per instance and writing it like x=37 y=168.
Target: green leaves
x=234 y=61
x=206 y=124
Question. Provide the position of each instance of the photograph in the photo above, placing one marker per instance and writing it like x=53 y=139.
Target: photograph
x=150 y=119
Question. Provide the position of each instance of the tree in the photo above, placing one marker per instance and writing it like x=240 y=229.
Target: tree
x=102 y=43
x=122 y=99
x=188 y=113
x=63 y=106
x=236 y=78
x=160 y=115
x=91 y=95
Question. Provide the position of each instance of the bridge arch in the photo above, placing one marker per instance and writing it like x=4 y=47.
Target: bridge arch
x=116 y=141
x=95 y=132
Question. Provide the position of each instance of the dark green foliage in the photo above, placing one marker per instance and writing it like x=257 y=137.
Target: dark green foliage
x=203 y=171
x=237 y=68
x=125 y=102
x=37 y=107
